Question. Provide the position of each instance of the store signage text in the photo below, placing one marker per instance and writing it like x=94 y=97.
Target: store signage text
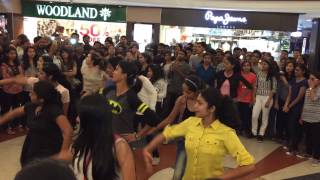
x=74 y=11
x=225 y=20
x=67 y=11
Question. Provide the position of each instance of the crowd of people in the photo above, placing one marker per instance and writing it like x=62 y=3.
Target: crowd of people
x=121 y=99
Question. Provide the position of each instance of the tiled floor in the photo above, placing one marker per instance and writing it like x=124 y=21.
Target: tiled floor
x=272 y=163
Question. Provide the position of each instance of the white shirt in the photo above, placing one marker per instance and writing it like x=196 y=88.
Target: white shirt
x=65 y=96
x=148 y=93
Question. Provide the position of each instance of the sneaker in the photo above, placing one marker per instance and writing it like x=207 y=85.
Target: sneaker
x=11 y=132
x=155 y=161
x=315 y=162
x=260 y=139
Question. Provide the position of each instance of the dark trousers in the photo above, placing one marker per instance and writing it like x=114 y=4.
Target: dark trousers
x=312 y=131
x=170 y=100
x=11 y=101
x=245 y=112
x=282 y=122
x=295 y=129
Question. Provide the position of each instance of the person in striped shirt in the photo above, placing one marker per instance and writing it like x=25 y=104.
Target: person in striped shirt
x=310 y=118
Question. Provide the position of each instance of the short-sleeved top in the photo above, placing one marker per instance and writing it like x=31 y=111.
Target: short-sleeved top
x=65 y=96
x=244 y=93
x=295 y=88
x=44 y=138
x=311 y=107
x=207 y=147
x=176 y=80
x=123 y=120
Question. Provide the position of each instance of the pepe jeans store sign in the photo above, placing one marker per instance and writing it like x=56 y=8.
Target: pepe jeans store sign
x=74 y=11
x=229 y=19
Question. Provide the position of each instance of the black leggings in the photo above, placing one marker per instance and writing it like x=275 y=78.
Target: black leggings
x=312 y=131
x=295 y=129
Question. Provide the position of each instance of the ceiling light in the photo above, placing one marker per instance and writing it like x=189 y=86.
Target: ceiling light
x=296 y=34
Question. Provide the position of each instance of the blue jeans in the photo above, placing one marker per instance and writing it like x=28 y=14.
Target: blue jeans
x=180 y=161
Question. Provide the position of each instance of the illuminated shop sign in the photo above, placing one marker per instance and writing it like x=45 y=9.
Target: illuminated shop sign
x=74 y=11
x=225 y=19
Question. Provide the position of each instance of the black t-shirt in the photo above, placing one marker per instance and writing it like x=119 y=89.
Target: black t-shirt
x=44 y=138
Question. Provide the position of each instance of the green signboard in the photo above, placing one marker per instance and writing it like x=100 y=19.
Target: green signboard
x=74 y=11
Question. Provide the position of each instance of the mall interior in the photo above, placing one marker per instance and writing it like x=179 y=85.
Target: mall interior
x=159 y=89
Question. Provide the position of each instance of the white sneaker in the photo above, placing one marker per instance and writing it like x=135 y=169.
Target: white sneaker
x=155 y=161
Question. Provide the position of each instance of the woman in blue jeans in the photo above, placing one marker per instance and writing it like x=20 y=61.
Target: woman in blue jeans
x=182 y=109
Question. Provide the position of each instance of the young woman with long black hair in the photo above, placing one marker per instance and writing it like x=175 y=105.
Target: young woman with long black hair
x=123 y=98
x=29 y=61
x=12 y=93
x=266 y=87
x=183 y=109
x=209 y=137
x=99 y=153
x=50 y=133
x=48 y=72
x=294 y=106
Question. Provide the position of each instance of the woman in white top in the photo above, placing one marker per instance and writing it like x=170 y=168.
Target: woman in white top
x=98 y=154
x=93 y=76
x=155 y=74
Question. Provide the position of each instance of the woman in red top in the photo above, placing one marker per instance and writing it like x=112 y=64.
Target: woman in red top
x=12 y=96
x=245 y=97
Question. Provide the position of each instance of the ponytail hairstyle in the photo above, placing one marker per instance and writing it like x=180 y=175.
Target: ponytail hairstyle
x=194 y=83
x=52 y=70
x=46 y=91
x=225 y=109
x=131 y=69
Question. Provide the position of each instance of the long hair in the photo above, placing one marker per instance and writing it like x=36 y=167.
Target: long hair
x=25 y=58
x=271 y=70
x=46 y=91
x=70 y=62
x=96 y=138
x=157 y=73
x=52 y=70
x=16 y=60
x=226 y=110
x=194 y=83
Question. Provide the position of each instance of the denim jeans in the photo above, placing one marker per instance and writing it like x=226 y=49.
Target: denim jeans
x=180 y=161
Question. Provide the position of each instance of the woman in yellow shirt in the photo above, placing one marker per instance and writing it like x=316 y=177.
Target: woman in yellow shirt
x=209 y=137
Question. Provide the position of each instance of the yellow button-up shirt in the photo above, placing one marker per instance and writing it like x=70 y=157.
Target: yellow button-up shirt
x=207 y=147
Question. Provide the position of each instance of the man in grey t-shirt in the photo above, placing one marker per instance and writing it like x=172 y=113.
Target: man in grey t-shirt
x=196 y=59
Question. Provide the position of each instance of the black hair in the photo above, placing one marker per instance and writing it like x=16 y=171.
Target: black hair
x=285 y=51
x=203 y=45
x=236 y=49
x=316 y=74
x=23 y=38
x=36 y=39
x=244 y=50
x=304 y=68
x=123 y=36
x=114 y=61
x=257 y=52
x=52 y=69
x=131 y=69
x=70 y=61
x=96 y=59
x=244 y=62
x=16 y=60
x=270 y=73
x=194 y=83
x=86 y=36
x=286 y=74
x=147 y=58
x=75 y=34
x=231 y=60
x=96 y=127
x=25 y=58
x=46 y=91
x=46 y=60
x=225 y=109
x=48 y=169
x=157 y=73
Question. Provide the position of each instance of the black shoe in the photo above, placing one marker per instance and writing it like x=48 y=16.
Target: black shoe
x=260 y=138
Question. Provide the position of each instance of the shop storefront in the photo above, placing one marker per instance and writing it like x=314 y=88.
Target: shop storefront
x=228 y=29
x=97 y=21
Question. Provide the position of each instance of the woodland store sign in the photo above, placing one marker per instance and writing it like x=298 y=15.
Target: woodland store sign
x=74 y=11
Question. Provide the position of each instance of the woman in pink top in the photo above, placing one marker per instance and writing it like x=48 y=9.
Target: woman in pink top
x=245 y=97
x=12 y=94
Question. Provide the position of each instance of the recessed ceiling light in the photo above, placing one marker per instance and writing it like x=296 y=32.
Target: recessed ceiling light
x=309 y=20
